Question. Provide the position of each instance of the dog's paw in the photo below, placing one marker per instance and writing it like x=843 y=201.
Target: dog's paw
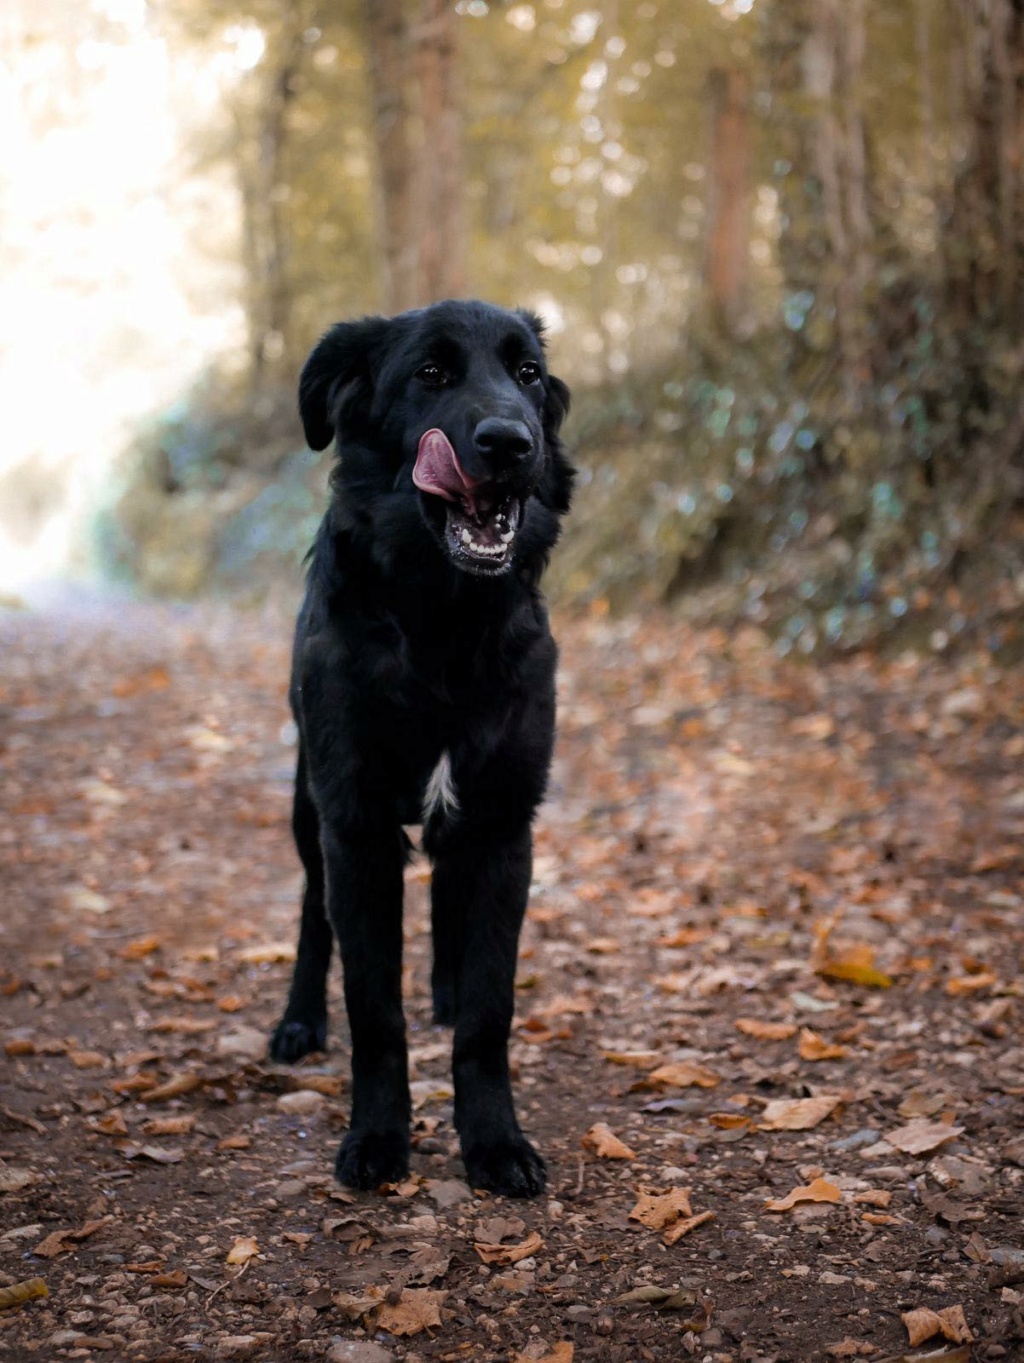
x=512 y=1168
x=293 y=1038
x=367 y=1159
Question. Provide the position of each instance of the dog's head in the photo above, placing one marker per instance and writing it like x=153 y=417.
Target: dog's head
x=451 y=408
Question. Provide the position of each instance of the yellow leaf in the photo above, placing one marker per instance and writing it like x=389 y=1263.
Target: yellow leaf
x=605 y=1144
x=243 y=1249
x=818 y=1190
x=924 y=1323
x=19 y=1293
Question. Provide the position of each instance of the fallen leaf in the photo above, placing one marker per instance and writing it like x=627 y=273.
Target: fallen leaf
x=175 y=1087
x=641 y=1060
x=686 y=1224
x=140 y=948
x=818 y=1190
x=112 y=1123
x=268 y=953
x=13 y=1180
x=682 y=1074
x=417 y=1309
x=658 y=1210
x=920 y=1136
x=766 y=1031
x=239 y=1141
x=509 y=1254
x=815 y=1047
x=242 y=1250
x=798 y=1114
x=57 y=1241
x=925 y=1323
x=605 y=1144
x=19 y=1293
x=170 y=1126
x=158 y=1154
x=603 y=946
x=19 y=1045
x=855 y=963
x=729 y=1121
x=562 y=1352
x=183 y=1026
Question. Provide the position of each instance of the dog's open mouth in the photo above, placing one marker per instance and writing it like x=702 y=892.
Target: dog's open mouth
x=481 y=517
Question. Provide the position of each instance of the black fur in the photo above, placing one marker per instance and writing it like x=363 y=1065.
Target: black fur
x=406 y=650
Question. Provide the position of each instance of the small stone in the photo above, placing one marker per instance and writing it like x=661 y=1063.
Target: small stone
x=578 y=1312
x=240 y=1346
x=301 y=1103
x=604 y=1325
x=246 y=1043
x=448 y=1192
x=292 y=1187
x=358 y=1351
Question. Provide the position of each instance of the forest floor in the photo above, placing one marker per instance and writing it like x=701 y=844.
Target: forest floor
x=774 y=946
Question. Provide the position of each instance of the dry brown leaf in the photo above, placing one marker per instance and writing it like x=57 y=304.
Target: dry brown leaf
x=111 y=1123
x=605 y=1144
x=562 y=1352
x=174 y=1088
x=509 y=1254
x=818 y=1190
x=682 y=1074
x=766 y=1031
x=417 y=1309
x=19 y=1045
x=874 y=1197
x=268 y=953
x=603 y=946
x=924 y=1323
x=658 y=1210
x=170 y=1126
x=686 y=1224
x=970 y=984
x=815 y=1047
x=12 y=1180
x=19 y=1293
x=242 y=1250
x=641 y=1060
x=239 y=1141
x=685 y=937
x=87 y=1060
x=920 y=1136
x=798 y=1114
x=729 y=1121
x=140 y=948
x=231 y=1003
x=183 y=1026
x=57 y=1241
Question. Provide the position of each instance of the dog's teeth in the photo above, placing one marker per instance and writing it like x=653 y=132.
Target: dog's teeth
x=508 y=537
x=467 y=538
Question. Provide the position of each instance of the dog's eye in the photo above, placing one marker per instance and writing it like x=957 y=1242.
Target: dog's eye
x=432 y=375
x=528 y=372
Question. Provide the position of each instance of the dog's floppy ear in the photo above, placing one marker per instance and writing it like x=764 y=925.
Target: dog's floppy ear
x=336 y=380
x=556 y=405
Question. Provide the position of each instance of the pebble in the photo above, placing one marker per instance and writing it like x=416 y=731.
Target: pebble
x=358 y=1351
x=301 y=1103
x=448 y=1192
x=246 y=1043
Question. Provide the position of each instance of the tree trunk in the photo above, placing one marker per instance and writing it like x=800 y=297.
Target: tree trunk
x=389 y=68
x=441 y=271
x=728 y=197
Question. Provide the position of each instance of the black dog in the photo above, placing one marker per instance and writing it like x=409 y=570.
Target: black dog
x=423 y=689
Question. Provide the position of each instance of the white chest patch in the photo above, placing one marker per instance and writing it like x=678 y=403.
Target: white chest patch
x=440 y=796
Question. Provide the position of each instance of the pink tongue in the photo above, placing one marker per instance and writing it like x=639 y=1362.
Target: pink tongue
x=438 y=470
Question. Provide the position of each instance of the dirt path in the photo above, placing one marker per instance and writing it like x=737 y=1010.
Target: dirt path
x=774 y=944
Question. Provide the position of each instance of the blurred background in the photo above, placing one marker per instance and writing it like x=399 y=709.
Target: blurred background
x=779 y=245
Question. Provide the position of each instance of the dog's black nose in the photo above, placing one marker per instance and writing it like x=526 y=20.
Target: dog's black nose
x=504 y=440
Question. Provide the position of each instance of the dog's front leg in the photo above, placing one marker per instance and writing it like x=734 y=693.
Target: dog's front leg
x=364 y=900
x=480 y=886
